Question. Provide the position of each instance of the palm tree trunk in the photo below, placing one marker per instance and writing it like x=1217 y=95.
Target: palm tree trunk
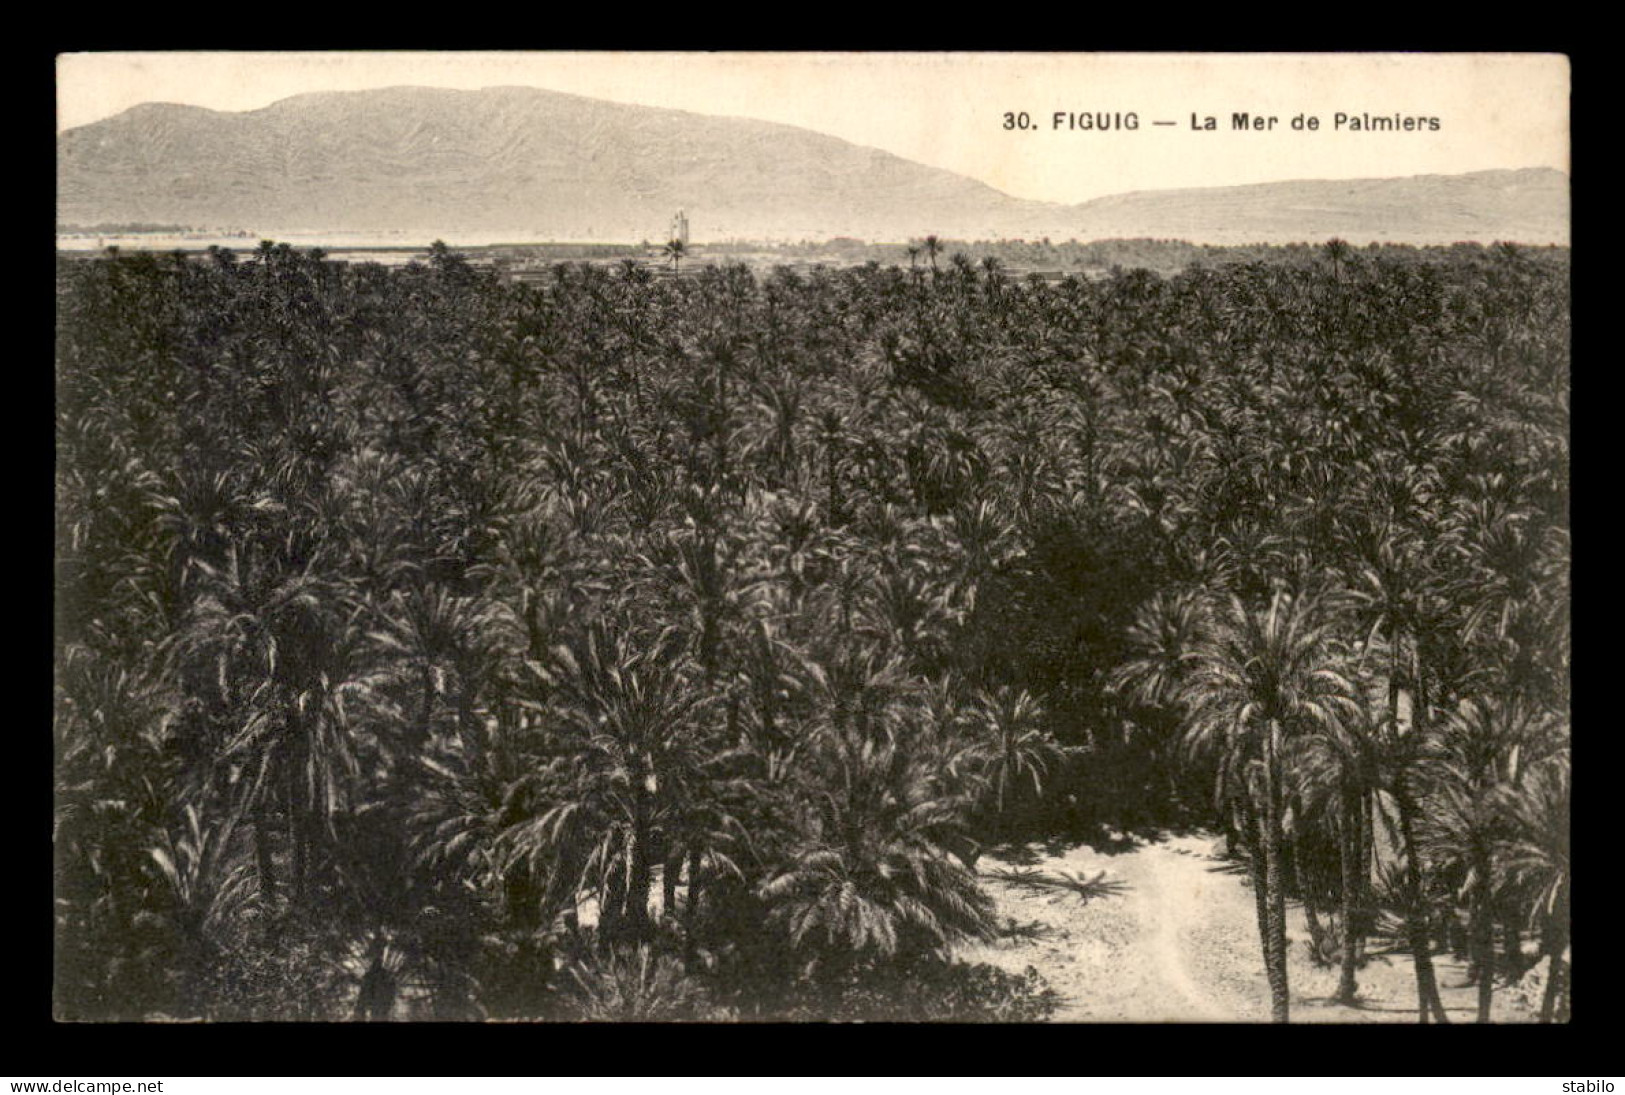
x=1365 y=868
x=1428 y=1002
x=639 y=874
x=695 y=863
x=296 y=848
x=1557 y=939
x=301 y=863
x=611 y=909
x=1253 y=837
x=669 y=870
x=998 y=820
x=520 y=902
x=1482 y=941
x=1511 y=947
x=1351 y=848
x=1276 y=955
x=1420 y=711
x=262 y=856
x=832 y=505
x=427 y=715
x=1317 y=930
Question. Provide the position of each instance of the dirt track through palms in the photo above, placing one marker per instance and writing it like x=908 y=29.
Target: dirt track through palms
x=1177 y=941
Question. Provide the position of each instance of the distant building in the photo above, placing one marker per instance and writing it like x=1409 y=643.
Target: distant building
x=679 y=228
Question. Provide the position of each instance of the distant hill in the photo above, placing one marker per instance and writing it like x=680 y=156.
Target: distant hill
x=1528 y=206
x=544 y=165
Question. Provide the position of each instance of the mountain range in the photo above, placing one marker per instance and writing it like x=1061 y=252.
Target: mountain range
x=529 y=164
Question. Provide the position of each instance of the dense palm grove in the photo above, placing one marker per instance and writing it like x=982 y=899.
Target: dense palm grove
x=667 y=647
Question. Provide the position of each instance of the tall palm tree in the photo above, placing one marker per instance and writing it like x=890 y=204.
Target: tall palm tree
x=676 y=251
x=1484 y=749
x=1337 y=253
x=774 y=718
x=1163 y=642
x=1535 y=857
x=1403 y=751
x=322 y=529
x=983 y=541
x=932 y=247
x=627 y=715
x=231 y=643
x=1339 y=766
x=832 y=438
x=698 y=566
x=1260 y=676
x=1399 y=602
x=296 y=740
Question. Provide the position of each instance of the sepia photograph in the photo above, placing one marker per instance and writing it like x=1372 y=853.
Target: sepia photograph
x=811 y=537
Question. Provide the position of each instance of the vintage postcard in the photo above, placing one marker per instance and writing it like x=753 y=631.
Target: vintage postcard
x=731 y=537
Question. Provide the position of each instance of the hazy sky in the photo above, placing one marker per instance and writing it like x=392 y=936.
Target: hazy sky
x=949 y=109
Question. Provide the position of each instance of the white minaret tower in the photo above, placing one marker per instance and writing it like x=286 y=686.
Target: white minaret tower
x=679 y=228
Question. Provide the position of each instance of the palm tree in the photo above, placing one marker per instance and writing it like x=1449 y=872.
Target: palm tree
x=1337 y=253
x=469 y=789
x=1512 y=585
x=200 y=513
x=1009 y=748
x=1261 y=676
x=114 y=736
x=698 y=566
x=868 y=877
x=1484 y=749
x=208 y=886
x=230 y=641
x=832 y=437
x=1535 y=858
x=626 y=715
x=932 y=247
x=1403 y=751
x=531 y=573
x=1164 y=641
x=308 y=678
x=1397 y=600
x=1339 y=767
x=442 y=644
x=676 y=250
x=1165 y=637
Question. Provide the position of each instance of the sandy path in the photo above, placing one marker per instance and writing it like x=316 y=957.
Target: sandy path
x=1178 y=942
x=1176 y=890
